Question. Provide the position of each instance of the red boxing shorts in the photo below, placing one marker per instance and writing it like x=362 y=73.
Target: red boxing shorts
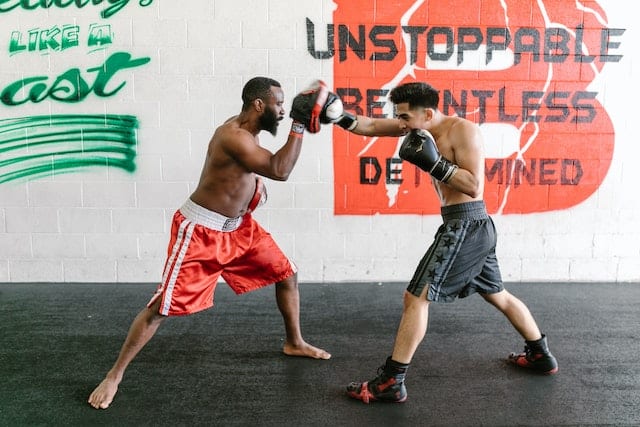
x=205 y=245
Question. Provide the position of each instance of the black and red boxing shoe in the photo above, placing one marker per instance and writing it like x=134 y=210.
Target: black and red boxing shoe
x=536 y=356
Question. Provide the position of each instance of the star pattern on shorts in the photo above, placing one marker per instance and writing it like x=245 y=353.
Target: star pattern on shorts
x=447 y=242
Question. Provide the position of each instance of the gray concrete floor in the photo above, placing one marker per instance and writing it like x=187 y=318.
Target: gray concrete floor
x=224 y=367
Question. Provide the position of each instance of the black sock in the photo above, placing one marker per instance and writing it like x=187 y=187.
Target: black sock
x=394 y=368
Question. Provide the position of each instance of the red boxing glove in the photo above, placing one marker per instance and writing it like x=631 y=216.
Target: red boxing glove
x=307 y=106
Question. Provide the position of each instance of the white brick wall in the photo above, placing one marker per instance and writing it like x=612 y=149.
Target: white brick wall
x=109 y=225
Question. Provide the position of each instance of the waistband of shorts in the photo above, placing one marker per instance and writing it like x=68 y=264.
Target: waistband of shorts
x=468 y=210
x=210 y=219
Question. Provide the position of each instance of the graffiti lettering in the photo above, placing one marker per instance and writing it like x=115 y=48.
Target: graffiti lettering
x=563 y=106
x=65 y=143
x=524 y=71
x=55 y=38
x=370 y=170
x=535 y=172
x=114 y=5
x=39 y=146
x=380 y=43
x=500 y=171
x=352 y=100
x=70 y=86
x=99 y=35
x=58 y=38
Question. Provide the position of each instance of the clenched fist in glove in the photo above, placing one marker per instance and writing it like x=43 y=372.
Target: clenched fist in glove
x=333 y=112
x=308 y=104
x=420 y=148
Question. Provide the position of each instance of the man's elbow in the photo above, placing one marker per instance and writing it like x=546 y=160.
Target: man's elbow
x=281 y=175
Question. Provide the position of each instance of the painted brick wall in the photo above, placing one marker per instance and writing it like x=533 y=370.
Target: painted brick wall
x=109 y=223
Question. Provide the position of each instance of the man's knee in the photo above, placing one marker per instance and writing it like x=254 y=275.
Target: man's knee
x=152 y=312
x=411 y=300
x=504 y=301
x=290 y=282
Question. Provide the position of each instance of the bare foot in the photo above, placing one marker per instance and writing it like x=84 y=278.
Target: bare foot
x=305 y=350
x=102 y=396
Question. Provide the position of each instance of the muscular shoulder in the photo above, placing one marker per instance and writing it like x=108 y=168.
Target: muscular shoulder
x=463 y=132
x=230 y=129
x=230 y=135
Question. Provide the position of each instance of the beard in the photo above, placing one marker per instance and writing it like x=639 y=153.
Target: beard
x=269 y=122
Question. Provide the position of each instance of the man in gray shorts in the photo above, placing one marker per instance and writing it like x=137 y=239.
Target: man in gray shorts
x=462 y=258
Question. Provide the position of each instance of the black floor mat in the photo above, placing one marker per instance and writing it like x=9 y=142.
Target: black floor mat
x=224 y=366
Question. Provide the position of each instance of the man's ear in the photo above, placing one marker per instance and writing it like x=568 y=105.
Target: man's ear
x=258 y=104
x=428 y=113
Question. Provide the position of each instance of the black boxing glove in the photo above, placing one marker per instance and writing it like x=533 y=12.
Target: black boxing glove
x=419 y=148
x=333 y=112
x=308 y=104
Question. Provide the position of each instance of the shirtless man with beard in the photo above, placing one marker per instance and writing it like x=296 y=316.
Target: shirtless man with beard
x=213 y=234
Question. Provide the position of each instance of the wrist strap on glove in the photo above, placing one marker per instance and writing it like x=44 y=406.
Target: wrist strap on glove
x=443 y=170
x=348 y=121
x=419 y=148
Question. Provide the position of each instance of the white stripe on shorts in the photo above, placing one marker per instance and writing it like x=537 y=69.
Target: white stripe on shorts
x=175 y=261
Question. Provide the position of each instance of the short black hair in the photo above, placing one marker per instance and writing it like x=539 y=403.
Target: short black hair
x=416 y=94
x=257 y=88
